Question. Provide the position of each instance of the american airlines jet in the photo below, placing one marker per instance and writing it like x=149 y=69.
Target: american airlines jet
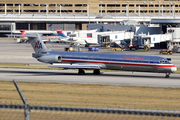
x=98 y=61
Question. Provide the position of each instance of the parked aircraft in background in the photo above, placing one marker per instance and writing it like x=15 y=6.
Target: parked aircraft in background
x=45 y=38
x=77 y=40
x=98 y=61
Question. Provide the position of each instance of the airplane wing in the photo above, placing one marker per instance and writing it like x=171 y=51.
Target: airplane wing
x=75 y=66
x=27 y=35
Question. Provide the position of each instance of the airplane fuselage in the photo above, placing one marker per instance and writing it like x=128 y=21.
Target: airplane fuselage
x=117 y=61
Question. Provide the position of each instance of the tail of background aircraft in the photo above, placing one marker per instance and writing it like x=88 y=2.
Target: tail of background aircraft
x=61 y=34
x=23 y=32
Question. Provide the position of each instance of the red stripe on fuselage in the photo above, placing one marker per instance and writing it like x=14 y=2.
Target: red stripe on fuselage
x=158 y=65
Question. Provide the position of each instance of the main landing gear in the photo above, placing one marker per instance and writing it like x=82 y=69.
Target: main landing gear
x=96 y=72
x=167 y=75
x=82 y=72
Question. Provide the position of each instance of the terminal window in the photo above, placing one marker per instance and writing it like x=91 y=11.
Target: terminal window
x=17 y=10
x=80 y=11
x=113 y=5
x=42 y=4
x=80 y=5
x=21 y=26
x=30 y=10
x=65 y=11
x=5 y=27
x=65 y=5
x=103 y=11
x=9 y=4
x=17 y=4
x=9 y=10
x=52 y=10
x=52 y=4
x=103 y=5
x=42 y=10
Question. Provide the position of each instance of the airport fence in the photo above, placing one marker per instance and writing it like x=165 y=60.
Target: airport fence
x=71 y=109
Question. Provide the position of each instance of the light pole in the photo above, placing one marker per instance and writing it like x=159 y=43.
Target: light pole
x=159 y=7
x=174 y=9
x=115 y=11
x=170 y=8
x=149 y=7
x=19 y=9
x=60 y=10
x=127 y=9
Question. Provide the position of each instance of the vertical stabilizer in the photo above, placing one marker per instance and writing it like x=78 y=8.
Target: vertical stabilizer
x=37 y=44
x=60 y=33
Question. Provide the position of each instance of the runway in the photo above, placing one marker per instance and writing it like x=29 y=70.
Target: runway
x=110 y=78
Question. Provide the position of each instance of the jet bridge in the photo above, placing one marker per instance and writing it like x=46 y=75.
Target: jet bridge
x=116 y=38
x=143 y=40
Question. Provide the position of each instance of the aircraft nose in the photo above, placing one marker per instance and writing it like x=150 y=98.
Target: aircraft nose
x=173 y=69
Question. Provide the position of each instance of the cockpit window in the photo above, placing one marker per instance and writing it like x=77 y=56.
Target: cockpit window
x=166 y=61
x=163 y=61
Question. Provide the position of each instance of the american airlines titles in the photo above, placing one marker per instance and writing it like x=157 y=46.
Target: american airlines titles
x=133 y=58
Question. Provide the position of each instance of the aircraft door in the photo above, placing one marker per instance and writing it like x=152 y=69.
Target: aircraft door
x=99 y=39
x=105 y=39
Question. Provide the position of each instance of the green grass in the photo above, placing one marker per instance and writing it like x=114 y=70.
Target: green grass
x=91 y=95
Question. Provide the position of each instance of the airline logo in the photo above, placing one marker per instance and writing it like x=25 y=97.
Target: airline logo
x=68 y=33
x=115 y=36
x=62 y=35
x=89 y=35
x=38 y=45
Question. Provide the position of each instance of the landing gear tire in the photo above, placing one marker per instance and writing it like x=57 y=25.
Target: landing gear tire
x=167 y=75
x=81 y=72
x=96 y=72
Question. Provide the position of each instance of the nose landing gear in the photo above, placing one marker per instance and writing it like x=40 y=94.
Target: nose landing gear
x=167 y=75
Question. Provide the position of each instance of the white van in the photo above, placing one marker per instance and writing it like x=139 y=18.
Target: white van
x=176 y=48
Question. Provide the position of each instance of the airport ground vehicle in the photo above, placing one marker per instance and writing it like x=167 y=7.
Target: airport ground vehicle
x=176 y=48
x=68 y=49
x=93 y=49
x=119 y=49
x=169 y=52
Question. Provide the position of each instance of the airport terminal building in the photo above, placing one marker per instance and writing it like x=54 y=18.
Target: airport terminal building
x=76 y=15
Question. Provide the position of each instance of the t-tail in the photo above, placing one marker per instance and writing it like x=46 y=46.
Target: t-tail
x=61 y=34
x=35 y=40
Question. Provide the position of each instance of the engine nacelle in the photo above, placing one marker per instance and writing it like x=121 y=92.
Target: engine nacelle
x=50 y=59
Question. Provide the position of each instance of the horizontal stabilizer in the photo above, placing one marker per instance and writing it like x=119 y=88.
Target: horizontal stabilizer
x=72 y=66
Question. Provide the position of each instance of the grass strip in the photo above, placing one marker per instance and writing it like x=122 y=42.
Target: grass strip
x=91 y=95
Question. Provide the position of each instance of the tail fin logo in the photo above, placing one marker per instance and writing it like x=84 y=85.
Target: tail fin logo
x=38 y=45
